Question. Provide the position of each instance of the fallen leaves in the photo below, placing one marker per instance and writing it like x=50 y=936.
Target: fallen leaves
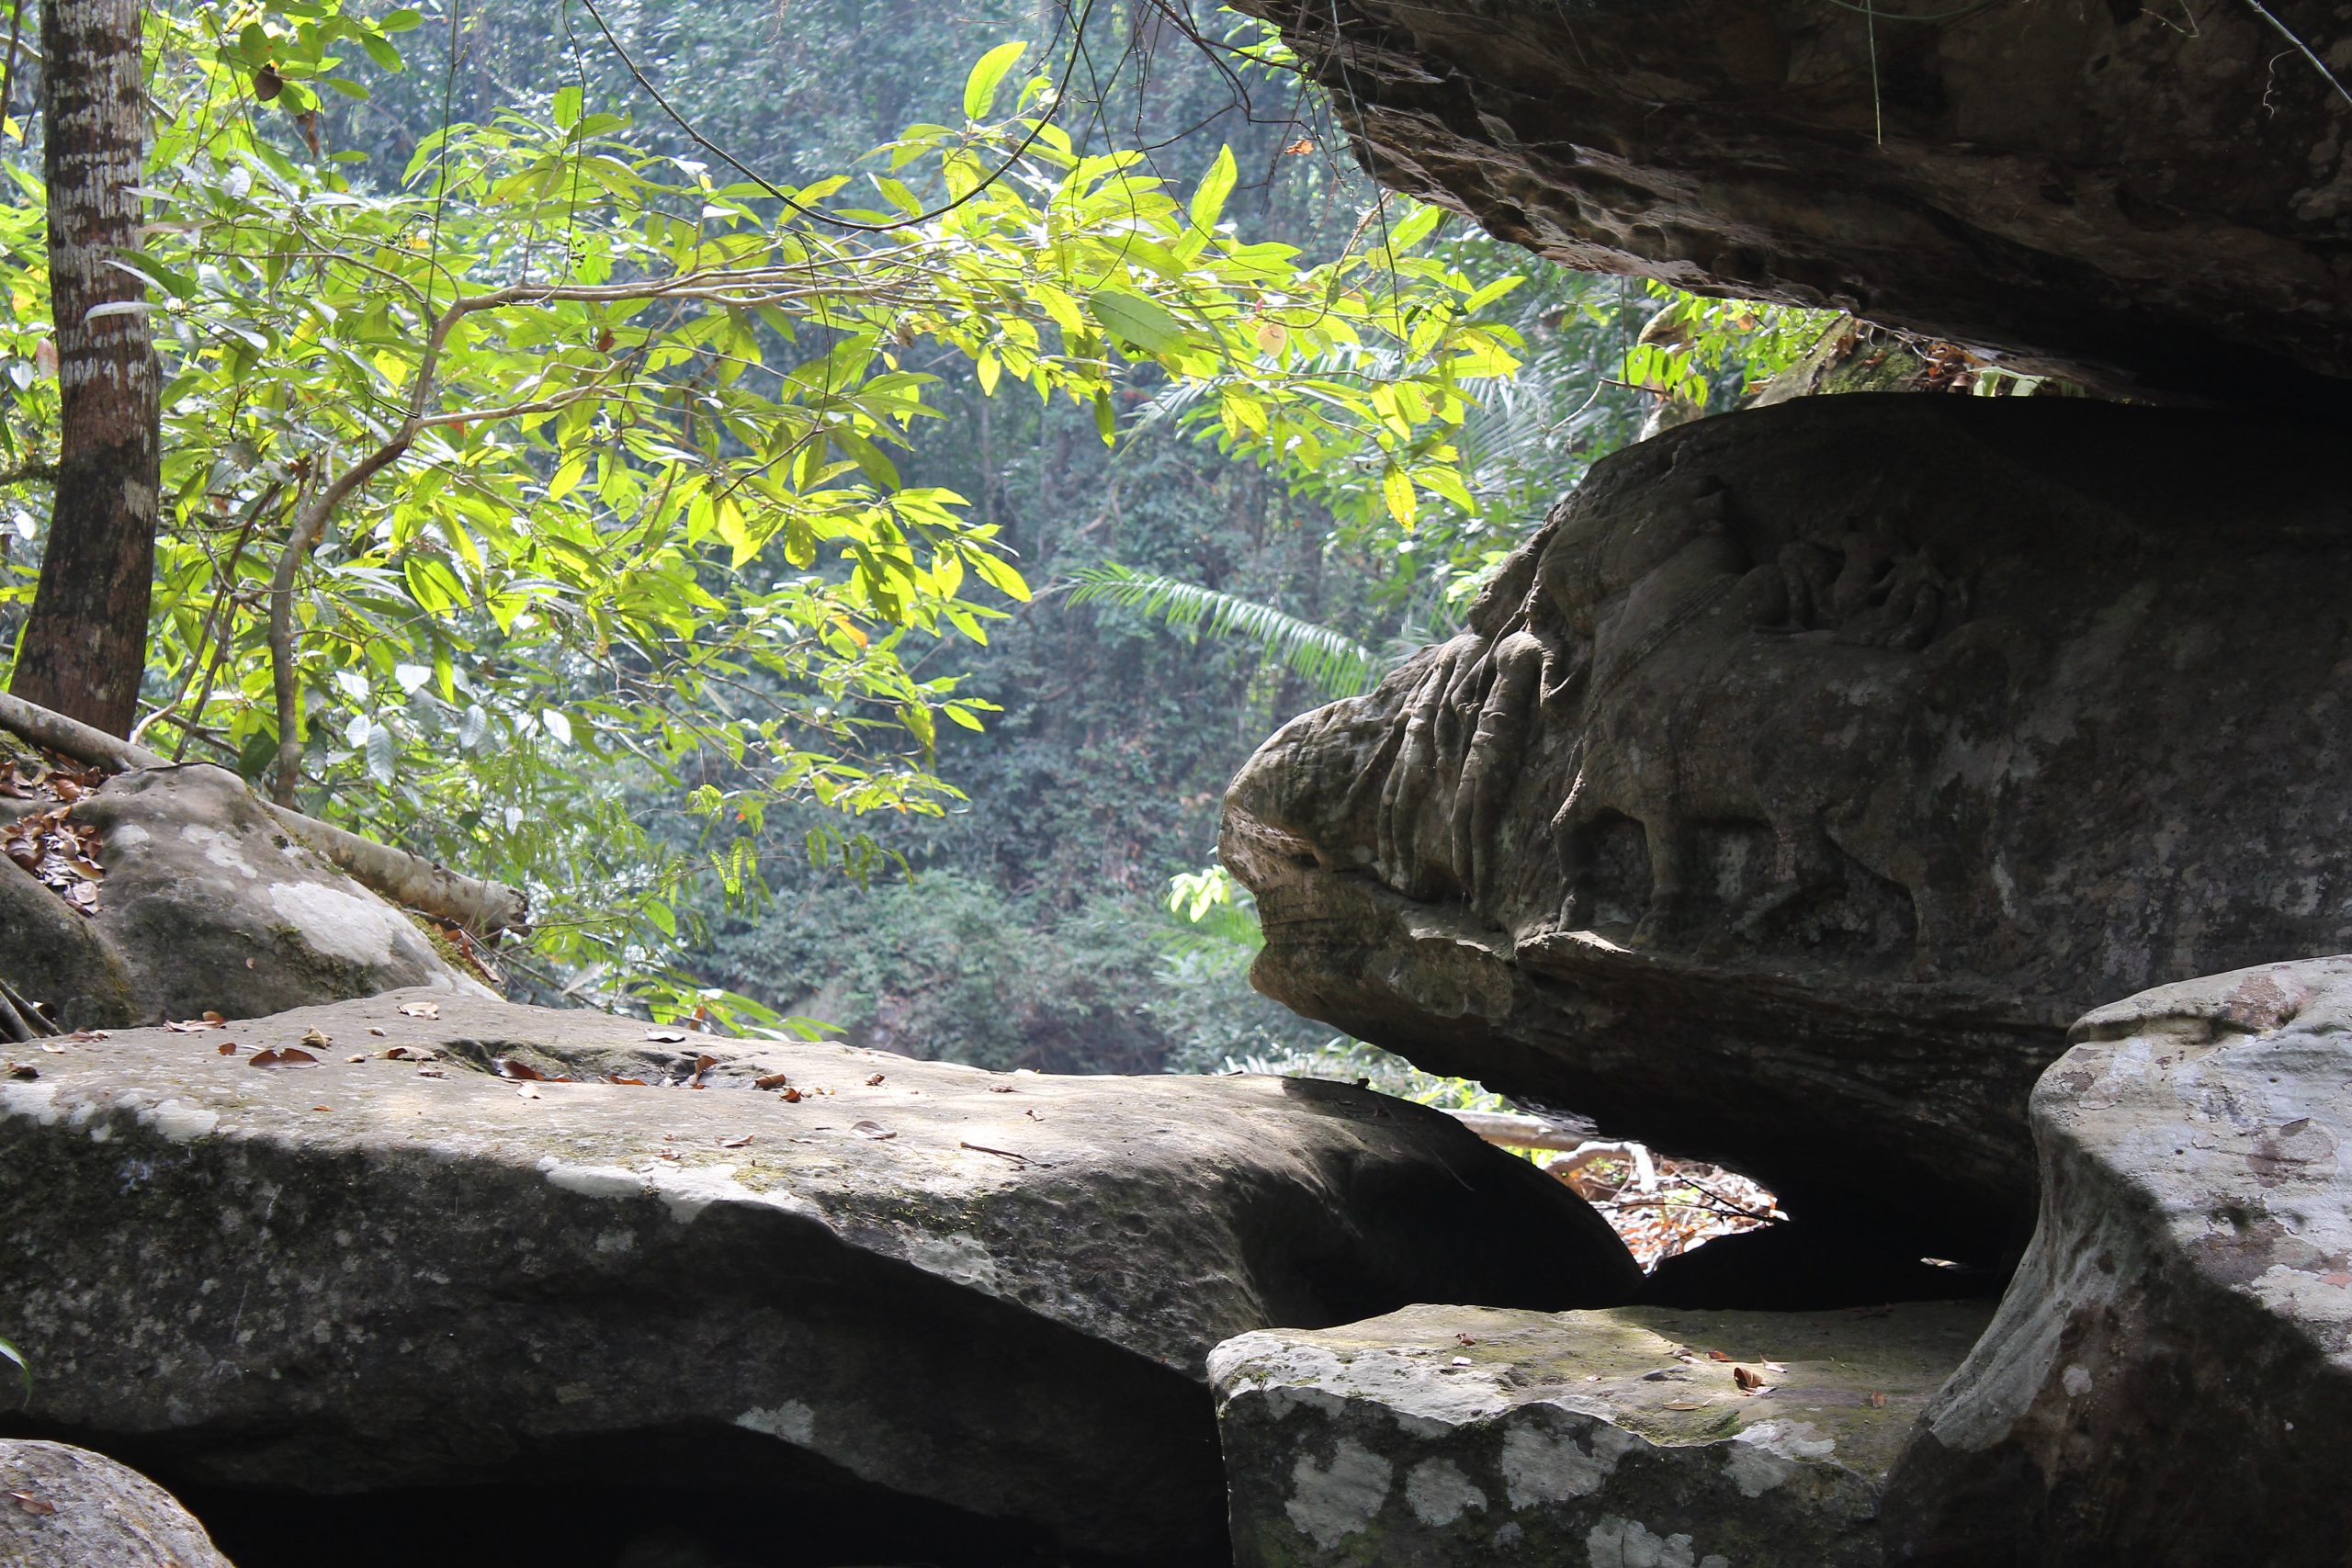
x=226 y=1048
x=1748 y=1381
x=195 y=1025
x=773 y=1080
x=290 y=1056
x=33 y=1503
x=317 y=1039
x=61 y=853
x=872 y=1129
x=419 y=1009
x=23 y=1070
x=666 y=1036
x=874 y=1082
x=742 y=1142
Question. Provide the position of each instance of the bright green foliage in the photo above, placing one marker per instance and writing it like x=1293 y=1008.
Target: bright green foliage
x=563 y=463
x=1333 y=663
x=1694 y=339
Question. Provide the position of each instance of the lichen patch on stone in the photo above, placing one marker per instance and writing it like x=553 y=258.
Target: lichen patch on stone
x=1331 y=1502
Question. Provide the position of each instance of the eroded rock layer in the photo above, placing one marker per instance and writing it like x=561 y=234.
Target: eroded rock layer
x=2168 y=1382
x=988 y=1296
x=2137 y=195
x=1812 y=767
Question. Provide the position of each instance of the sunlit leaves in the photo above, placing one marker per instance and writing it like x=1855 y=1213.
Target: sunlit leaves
x=643 y=498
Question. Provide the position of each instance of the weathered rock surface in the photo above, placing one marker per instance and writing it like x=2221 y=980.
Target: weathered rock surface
x=206 y=905
x=1444 y=1435
x=2169 y=1379
x=1805 y=773
x=66 y=1507
x=987 y=1294
x=2158 y=200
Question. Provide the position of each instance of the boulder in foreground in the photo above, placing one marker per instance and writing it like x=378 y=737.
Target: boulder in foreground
x=1441 y=1435
x=2168 y=1383
x=67 y=1508
x=969 y=1307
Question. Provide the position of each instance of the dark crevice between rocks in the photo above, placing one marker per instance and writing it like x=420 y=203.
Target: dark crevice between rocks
x=694 y=1495
x=1799 y=1268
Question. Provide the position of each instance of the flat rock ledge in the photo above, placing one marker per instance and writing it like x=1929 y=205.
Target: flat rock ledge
x=1443 y=1435
x=66 y=1507
x=914 y=1287
x=2169 y=1379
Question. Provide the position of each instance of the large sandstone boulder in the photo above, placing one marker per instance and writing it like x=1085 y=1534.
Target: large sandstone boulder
x=66 y=1507
x=988 y=1297
x=1812 y=767
x=202 y=903
x=1441 y=1436
x=2147 y=196
x=2169 y=1380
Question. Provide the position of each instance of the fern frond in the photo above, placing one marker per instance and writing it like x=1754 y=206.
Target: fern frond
x=1331 y=661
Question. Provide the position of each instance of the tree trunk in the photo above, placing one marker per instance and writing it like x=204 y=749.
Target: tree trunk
x=85 y=646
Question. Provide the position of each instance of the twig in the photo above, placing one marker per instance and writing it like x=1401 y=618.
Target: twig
x=21 y=1016
x=2289 y=34
x=1000 y=1154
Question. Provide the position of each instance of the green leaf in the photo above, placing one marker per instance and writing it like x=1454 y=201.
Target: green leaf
x=380 y=754
x=433 y=585
x=980 y=86
x=1396 y=489
x=567 y=107
x=13 y=1354
x=1143 y=322
x=1209 y=196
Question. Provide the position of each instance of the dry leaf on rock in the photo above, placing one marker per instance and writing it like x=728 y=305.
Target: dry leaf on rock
x=666 y=1036
x=871 y=1130
x=291 y=1056
x=743 y=1141
x=773 y=1080
x=313 y=1037
x=419 y=1009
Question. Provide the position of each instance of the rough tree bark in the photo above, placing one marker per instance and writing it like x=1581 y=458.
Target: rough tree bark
x=85 y=646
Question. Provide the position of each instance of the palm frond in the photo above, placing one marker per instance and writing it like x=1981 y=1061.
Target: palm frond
x=1331 y=661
